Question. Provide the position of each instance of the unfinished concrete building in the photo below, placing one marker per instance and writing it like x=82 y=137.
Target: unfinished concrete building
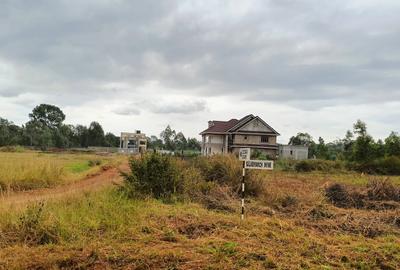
x=133 y=143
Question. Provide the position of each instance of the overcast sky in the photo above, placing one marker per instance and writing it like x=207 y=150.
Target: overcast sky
x=310 y=65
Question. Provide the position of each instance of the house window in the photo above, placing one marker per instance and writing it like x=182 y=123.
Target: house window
x=291 y=152
x=245 y=137
x=264 y=139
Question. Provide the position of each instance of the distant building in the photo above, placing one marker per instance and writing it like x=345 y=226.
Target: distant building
x=133 y=143
x=297 y=152
x=229 y=136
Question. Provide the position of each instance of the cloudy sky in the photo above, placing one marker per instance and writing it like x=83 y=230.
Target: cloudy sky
x=309 y=65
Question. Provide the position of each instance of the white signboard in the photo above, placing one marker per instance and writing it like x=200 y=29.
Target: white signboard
x=244 y=154
x=259 y=164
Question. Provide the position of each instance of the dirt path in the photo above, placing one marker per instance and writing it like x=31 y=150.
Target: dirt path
x=96 y=182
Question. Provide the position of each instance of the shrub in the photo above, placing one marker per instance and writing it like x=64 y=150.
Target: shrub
x=338 y=195
x=386 y=166
x=34 y=230
x=383 y=190
x=223 y=169
x=94 y=162
x=13 y=149
x=285 y=164
x=154 y=175
x=318 y=165
x=257 y=154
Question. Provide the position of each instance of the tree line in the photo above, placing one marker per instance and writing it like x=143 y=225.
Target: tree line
x=46 y=129
x=357 y=146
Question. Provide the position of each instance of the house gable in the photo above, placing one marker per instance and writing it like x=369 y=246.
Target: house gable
x=254 y=125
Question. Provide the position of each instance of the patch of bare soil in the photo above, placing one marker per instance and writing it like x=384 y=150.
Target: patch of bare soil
x=106 y=177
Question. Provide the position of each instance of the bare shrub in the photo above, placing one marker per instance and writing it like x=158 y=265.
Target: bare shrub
x=320 y=212
x=338 y=195
x=219 y=198
x=377 y=195
x=383 y=190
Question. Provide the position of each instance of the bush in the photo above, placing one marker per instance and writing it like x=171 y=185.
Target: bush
x=285 y=164
x=223 y=169
x=318 y=165
x=33 y=228
x=383 y=190
x=154 y=175
x=12 y=149
x=386 y=166
x=94 y=162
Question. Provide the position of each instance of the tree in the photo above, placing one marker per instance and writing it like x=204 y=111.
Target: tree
x=95 y=134
x=360 y=128
x=193 y=144
x=154 y=143
x=379 y=149
x=304 y=139
x=49 y=115
x=168 y=136
x=81 y=136
x=63 y=136
x=363 y=147
x=39 y=134
x=392 y=144
x=111 y=140
x=10 y=134
x=301 y=139
x=322 y=149
x=180 y=141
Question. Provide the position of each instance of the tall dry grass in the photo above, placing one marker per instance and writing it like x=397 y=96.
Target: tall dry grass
x=32 y=170
x=23 y=171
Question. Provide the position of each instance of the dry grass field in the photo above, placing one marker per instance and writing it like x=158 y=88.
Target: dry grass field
x=297 y=221
x=31 y=170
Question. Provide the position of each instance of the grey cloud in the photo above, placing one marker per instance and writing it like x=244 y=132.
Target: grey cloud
x=127 y=110
x=307 y=54
x=9 y=92
x=179 y=107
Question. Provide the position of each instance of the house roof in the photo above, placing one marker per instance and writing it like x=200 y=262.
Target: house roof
x=220 y=126
x=233 y=125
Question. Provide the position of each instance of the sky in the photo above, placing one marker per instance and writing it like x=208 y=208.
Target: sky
x=311 y=66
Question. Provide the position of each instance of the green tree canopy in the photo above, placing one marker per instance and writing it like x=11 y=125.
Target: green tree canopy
x=392 y=144
x=96 y=134
x=168 y=135
x=49 y=115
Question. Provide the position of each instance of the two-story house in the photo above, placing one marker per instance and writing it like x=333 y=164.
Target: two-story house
x=249 y=132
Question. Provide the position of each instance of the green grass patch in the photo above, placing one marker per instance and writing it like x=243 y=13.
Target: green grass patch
x=78 y=167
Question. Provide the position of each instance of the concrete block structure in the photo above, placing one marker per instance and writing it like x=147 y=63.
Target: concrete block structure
x=297 y=152
x=133 y=143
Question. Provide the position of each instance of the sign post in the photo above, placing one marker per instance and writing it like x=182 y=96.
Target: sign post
x=247 y=163
x=244 y=154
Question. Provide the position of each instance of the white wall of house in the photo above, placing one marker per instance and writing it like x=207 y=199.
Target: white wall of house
x=297 y=152
x=213 y=144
